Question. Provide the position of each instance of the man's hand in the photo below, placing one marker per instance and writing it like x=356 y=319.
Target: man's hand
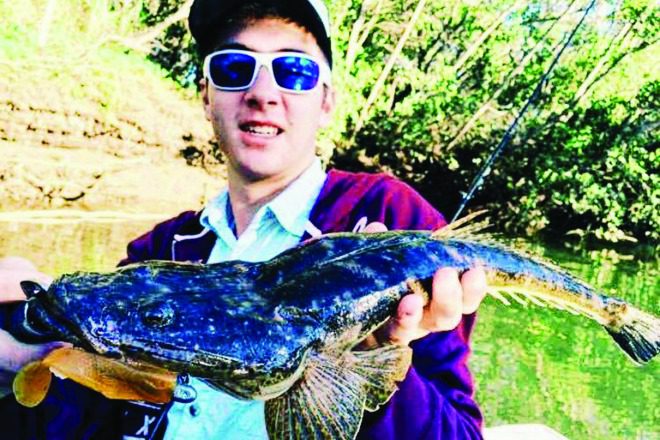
x=14 y=354
x=451 y=298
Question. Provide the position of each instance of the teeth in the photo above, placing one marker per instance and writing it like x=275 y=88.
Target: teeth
x=262 y=130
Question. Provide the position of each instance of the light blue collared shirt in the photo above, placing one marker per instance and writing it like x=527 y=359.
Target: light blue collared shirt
x=276 y=227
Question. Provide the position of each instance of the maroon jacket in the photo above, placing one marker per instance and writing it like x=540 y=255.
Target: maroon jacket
x=435 y=401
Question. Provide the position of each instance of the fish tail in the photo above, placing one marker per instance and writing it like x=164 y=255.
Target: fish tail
x=639 y=336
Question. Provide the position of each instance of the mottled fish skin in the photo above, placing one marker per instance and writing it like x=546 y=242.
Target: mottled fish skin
x=248 y=327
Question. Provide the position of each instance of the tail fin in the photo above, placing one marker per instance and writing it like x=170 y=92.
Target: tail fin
x=639 y=336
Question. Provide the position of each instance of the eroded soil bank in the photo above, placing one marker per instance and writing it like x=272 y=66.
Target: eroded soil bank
x=143 y=148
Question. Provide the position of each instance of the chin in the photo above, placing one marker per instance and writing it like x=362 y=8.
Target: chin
x=256 y=173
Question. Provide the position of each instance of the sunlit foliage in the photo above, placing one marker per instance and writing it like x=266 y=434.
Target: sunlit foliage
x=427 y=89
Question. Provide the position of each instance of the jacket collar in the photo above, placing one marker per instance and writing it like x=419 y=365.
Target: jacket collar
x=195 y=245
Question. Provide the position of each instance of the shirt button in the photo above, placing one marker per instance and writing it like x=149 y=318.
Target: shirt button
x=195 y=410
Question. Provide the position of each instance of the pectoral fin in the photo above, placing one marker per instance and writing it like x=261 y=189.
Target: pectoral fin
x=330 y=398
x=382 y=369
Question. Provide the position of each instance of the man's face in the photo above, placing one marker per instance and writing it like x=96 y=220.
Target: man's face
x=267 y=133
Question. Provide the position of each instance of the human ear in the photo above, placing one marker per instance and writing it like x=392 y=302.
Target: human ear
x=327 y=106
x=206 y=100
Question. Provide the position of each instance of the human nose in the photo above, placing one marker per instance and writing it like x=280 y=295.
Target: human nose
x=264 y=91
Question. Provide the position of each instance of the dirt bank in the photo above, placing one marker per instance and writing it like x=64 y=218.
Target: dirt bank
x=146 y=152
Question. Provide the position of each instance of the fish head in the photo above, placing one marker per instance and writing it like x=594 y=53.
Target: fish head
x=235 y=341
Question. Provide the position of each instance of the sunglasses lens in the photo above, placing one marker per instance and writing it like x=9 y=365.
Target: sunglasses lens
x=232 y=70
x=296 y=73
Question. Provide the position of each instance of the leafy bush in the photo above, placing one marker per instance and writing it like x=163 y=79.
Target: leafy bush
x=427 y=89
x=584 y=159
x=595 y=173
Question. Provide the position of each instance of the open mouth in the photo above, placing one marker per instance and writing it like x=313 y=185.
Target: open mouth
x=261 y=130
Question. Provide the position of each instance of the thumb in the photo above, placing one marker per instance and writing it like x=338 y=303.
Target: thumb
x=32 y=352
x=375 y=227
x=15 y=354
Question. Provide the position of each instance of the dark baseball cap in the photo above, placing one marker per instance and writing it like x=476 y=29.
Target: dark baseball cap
x=206 y=15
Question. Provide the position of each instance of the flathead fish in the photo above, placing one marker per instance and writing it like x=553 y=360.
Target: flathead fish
x=285 y=330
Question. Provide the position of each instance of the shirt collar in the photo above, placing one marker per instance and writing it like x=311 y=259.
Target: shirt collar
x=215 y=217
x=290 y=208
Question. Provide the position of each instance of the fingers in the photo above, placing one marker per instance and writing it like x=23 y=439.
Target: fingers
x=474 y=285
x=445 y=309
x=15 y=354
x=16 y=263
x=402 y=328
x=452 y=297
x=375 y=227
x=406 y=326
x=13 y=270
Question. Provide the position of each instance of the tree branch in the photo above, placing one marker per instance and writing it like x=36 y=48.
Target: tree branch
x=484 y=36
x=356 y=29
x=622 y=39
x=588 y=81
x=47 y=19
x=519 y=68
x=617 y=59
x=375 y=91
x=140 y=42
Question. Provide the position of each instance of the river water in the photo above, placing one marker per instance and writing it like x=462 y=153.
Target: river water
x=531 y=365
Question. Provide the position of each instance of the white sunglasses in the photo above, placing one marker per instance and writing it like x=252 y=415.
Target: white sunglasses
x=293 y=72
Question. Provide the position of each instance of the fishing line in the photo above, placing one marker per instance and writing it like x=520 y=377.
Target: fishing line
x=478 y=180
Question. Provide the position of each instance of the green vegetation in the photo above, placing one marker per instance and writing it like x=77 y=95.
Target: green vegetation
x=427 y=91
x=584 y=159
x=84 y=54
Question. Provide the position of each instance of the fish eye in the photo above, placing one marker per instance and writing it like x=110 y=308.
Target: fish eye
x=157 y=314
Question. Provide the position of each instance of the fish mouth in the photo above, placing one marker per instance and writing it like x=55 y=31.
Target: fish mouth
x=226 y=373
x=191 y=360
x=47 y=318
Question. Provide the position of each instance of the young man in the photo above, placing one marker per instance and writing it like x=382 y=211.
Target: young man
x=267 y=90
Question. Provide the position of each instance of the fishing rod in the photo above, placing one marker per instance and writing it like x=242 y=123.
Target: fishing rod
x=487 y=166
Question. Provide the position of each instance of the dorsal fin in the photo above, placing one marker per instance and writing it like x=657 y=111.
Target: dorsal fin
x=464 y=227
